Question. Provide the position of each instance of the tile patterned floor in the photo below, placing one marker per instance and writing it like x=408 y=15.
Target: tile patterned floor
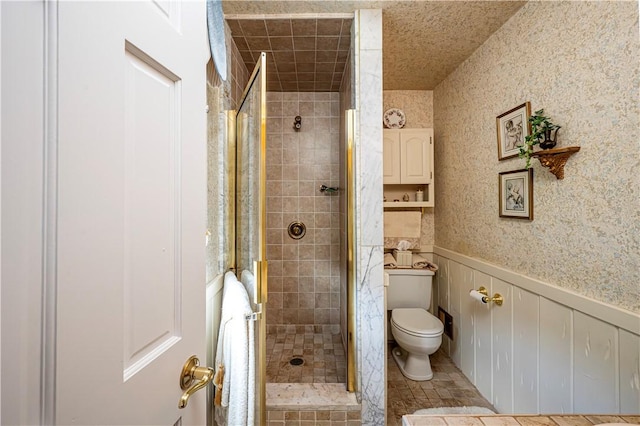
x=314 y=418
x=325 y=363
x=448 y=388
x=323 y=355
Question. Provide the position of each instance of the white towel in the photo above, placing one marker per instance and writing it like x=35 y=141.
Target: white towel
x=249 y=282
x=420 y=262
x=390 y=261
x=233 y=352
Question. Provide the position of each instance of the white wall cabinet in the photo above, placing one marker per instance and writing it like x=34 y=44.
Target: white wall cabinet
x=408 y=156
x=408 y=165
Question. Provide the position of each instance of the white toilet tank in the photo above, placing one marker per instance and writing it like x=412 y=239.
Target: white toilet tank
x=409 y=288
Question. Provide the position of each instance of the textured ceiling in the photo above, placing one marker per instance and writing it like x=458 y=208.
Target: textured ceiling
x=423 y=41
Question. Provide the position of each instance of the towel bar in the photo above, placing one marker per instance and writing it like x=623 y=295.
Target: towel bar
x=254 y=316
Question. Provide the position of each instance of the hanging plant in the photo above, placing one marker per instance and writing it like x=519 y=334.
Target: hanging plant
x=540 y=126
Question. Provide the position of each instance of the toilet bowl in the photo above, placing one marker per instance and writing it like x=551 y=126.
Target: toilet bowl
x=418 y=335
x=417 y=332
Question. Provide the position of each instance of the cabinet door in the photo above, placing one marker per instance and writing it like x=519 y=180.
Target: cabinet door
x=391 y=156
x=416 y=156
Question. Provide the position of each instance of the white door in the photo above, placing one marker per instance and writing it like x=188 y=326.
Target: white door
x=131 y=210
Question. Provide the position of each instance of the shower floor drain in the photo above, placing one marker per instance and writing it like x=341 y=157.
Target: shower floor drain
x=296 y=361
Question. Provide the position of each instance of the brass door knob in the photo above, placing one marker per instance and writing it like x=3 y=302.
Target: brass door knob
x=193 y=378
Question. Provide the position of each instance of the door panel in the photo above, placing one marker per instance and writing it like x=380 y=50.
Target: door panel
x=131 y=210
x=151 y=194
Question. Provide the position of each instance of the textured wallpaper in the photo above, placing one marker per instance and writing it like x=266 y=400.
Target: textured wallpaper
x=578 y=61
x=417 y=106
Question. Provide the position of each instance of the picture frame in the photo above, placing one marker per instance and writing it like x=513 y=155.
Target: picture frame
x=515 y=194
x=512 y=129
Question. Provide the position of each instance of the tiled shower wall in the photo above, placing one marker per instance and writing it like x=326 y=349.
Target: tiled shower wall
x=304 y=275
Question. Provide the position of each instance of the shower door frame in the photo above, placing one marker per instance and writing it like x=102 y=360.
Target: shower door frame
x=259 y=75
x=260 y=268
x=350 y=117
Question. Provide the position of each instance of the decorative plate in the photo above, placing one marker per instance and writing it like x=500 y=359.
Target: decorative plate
x=394 y=118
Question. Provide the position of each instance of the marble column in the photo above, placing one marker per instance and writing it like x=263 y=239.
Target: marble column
x=369 y=226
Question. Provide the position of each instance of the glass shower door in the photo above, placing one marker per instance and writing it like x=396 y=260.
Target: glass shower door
x=250 y=213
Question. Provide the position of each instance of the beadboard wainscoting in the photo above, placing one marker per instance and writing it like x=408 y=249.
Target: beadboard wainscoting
x=546 y=349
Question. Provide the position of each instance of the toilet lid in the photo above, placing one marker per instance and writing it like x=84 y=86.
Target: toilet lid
x=417 y=321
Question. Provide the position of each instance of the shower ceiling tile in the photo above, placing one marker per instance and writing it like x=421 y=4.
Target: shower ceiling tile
x=326 y=27
x=325 y=66
x=283 y=57
x=306 y=57
x=241 y=43
x=306 y=67
x=253 y=28
x=258 y=44
x=279 y=27
x=247 y=57
x=286 y=67
x=302 y=27
x=327 y=43
x=304 y=43
x=282 y=43
x=295 y=45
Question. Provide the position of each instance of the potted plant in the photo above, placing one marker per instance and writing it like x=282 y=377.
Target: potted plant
x=541 y=128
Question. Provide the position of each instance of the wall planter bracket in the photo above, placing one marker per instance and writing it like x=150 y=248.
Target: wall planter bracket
x=555 y=159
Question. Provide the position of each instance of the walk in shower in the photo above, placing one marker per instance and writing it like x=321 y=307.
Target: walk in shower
x=312 y=87
x=306 y=228
x=303 y=317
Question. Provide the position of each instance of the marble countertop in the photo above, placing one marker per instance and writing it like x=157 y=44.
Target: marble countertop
x=518 y=420
x=310 y=396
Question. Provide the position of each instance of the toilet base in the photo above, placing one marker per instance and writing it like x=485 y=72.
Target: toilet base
x=413 y=367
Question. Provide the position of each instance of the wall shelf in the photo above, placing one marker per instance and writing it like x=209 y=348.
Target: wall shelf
x=407 y=204
x=555 y=159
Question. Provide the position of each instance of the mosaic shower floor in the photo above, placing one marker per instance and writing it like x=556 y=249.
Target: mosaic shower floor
x=318 y=357
x=448 y=388
x=324 y=361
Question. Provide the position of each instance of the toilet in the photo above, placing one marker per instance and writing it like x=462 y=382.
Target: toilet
x=416 y=331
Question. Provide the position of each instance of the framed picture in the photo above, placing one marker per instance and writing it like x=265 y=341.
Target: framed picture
x=516 y=194
x=513 y=127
